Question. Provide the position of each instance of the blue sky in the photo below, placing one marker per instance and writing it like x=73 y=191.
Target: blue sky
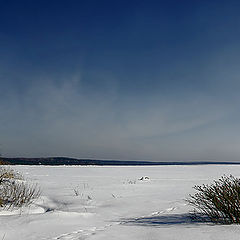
x=145 y=80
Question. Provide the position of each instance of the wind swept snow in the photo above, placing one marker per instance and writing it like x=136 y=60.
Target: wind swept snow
x=88 y=202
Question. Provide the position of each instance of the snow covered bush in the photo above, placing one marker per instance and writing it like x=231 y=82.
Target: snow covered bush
x=219 y=201
x=14 y=191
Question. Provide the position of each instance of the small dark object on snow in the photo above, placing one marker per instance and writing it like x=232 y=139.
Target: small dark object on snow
x=144 y=178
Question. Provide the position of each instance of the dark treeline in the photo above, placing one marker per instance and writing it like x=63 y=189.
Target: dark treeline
x=74 y=161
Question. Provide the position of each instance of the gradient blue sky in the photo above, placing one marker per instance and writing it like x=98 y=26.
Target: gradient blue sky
x=145 y=80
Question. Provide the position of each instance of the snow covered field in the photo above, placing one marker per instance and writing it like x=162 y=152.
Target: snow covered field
x=108 y=203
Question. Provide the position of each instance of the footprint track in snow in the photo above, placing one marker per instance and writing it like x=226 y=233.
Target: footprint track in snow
x=83 y=234
x=164 y=211
x=168 y=210
x=86 y=233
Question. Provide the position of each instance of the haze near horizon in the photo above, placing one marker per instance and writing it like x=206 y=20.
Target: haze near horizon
x=138 y=80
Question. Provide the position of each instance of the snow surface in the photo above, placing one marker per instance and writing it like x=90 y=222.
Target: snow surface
x=88 y=202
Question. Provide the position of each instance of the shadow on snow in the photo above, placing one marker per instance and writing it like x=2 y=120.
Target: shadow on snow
x=171 y=219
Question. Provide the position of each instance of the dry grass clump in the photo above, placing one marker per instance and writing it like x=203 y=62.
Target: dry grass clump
x=14 y=191
x=8 y=173
x=219 y=201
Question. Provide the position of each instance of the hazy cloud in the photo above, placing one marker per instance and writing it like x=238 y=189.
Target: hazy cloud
x=67 y=119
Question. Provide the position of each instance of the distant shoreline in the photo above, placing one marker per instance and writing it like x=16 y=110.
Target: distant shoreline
x=56 y=161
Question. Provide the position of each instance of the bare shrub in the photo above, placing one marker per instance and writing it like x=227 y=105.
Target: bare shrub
x=76 y=191
x=8 y=173
x=14 y=192
x=129 y=181
x=219 y=201
x=82 y=194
